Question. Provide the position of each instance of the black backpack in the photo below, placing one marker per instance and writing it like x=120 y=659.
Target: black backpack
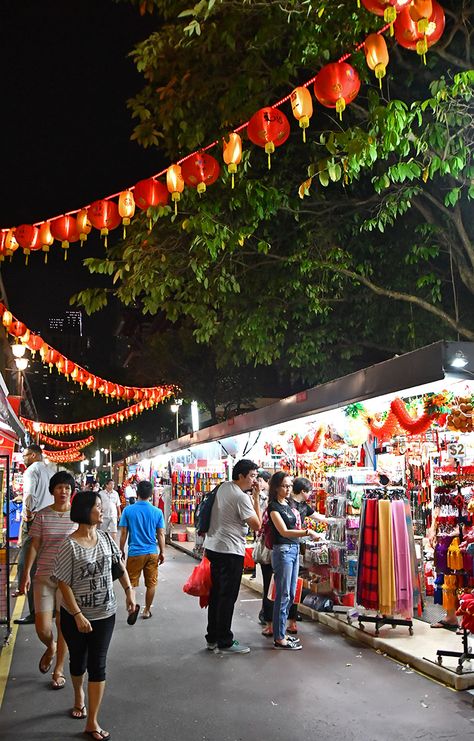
x=202 y=516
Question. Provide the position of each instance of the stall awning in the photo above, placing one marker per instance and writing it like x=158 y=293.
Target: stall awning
x=10 y=425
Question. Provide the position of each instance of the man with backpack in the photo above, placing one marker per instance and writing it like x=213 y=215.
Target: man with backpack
x=236 y=505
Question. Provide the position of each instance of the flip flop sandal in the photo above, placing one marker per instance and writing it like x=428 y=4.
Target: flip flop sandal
x=267 y=633
x=45 y=669
x=100 y=734
x=82 y=711
x=445 y=624
x=59 y=682
x=147 y=617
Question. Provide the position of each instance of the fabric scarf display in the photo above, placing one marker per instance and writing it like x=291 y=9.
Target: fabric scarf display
x=402 y=561
x=387 y=594
x=367 y=577
x=415 y=574
x=454 y=560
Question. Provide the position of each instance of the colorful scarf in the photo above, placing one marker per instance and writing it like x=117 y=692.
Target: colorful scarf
x=387 y=595
x=415 y=573
x=367 y=577
x=402 y=562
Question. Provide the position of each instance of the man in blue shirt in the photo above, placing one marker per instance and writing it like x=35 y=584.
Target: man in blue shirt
x=143 y=524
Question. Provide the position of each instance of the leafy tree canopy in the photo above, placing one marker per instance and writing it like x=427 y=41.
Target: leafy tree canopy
x=359 y=239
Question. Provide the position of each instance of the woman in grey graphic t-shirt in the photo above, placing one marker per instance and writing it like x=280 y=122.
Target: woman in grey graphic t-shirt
x=83 y=571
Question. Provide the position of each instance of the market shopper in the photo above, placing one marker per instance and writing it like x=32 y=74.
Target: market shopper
x=285 y=555
x=83 y=572
x=36 y=496
x=50 y=526
x=111 y=509
x=143 y=525
x=130 y=493
x=224 y=544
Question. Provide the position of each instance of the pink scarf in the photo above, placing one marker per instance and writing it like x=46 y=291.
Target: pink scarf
x=403 y=567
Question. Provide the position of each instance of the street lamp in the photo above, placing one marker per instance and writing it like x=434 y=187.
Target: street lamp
x=195 y=416
x=18 y=350
x=21 y=363
x=175 y=409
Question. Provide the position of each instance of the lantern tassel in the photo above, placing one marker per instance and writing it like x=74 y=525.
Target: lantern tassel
x=232 y=181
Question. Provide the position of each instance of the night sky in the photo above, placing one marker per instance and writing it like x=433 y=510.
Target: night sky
x=65 y=137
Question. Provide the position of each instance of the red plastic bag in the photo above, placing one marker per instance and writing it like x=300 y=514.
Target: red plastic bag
x=249 y=563
x=199 y=583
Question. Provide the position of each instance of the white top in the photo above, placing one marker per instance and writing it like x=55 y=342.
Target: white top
x=130 y=491
x=227 y=530
x=110 y=501
x=36 y=494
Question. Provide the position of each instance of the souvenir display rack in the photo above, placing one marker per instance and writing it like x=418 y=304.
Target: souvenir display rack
x=188 y=488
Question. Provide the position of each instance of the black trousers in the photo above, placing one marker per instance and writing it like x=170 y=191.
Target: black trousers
x=226 y=573
x=267 y=605
x=87 y=650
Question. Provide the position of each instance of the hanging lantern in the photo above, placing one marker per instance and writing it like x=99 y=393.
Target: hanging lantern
x=232 y=154
x=35 y=343
x=17 y=329
x=302 y=107
x=68 y=367
x=7 y=318
x=51 y=358
x=27 y=237
x=420 y=12
x=376 y=55
x=104 y=215
x=200 y=170
x=126 y=207
x=3 y=235
x=175 y=184
x=150 y=192
x=336 y=85
x=11 y=243
x=64 y=229
x=45 y=238
x=268 y=128
x=84 y=226
x=386 y=8
x=408 y=36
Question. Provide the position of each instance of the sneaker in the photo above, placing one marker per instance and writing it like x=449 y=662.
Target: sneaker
x=289 y=646
x=211 y=646
x=236 y=648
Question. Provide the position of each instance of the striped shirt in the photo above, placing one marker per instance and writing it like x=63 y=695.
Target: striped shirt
x=51 y=528
x=88 y=571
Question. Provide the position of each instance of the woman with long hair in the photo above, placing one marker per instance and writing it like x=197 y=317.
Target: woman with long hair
x=285 y=556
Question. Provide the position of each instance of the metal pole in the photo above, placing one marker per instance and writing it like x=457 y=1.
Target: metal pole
x=177 y=423
x=110 y=464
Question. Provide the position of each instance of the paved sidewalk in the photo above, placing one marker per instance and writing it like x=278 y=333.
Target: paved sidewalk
x=163 y=684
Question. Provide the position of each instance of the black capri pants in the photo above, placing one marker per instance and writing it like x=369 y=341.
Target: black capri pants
x=87 y=650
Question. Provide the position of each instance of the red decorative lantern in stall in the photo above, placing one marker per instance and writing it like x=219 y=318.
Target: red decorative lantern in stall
x=104 y=215
x=408 y=36
x=27 y=237
x=35 y=343
x=150 y=192
x=268 y=128
x=336 y=85
x=376 y=55
x=175 y=184
x=386 y=8
x=302 y=107
x=45 y=238
x=64 y=229
x=84 y=226
x=232 y=154
x=200 y=170
x=126 y=208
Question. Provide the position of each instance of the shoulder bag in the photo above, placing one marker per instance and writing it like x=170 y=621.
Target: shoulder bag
x=117 y=567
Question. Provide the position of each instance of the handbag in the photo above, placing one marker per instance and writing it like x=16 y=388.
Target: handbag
x=261 y=554
x=117 y=568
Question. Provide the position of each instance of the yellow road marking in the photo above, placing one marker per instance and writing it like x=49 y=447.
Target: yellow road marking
x=6 y=654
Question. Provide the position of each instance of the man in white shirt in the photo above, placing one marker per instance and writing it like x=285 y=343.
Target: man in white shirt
x=36 y=496
x=111 y=510
x=130 y=493
x=236 y=506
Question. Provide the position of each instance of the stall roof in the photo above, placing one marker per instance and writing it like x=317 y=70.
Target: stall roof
x=403 y=372
x=9 y=422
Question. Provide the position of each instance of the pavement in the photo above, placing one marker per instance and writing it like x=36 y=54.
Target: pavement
x=163 y=684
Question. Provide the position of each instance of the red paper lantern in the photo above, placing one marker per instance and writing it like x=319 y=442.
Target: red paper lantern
x=408 y=35
x=11 y=244
x=376 y=55
x=45 y=238
x=386 y=8
x=64 y=229
x=200 y=170
x=150 y=192
x=35 y=343
x=175 y=184
x=27 y=237
x=17 y=329
x=268 y=128
x=3 y=251
x=68 y=367
x=336 y=85
x=84 y=226
x=104 y=215
x=302 y=107
x=51 y=357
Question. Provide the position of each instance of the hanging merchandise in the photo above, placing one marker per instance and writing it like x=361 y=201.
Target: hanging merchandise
x=336 y=85
x=268 y=128
x=232 y=153
x=200 y=170
x=302 y=107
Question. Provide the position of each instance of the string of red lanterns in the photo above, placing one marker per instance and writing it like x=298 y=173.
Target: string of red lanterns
x=65 y=445
x=64 y=456
x=74 y=372
x=417 y=24
x=72 y=428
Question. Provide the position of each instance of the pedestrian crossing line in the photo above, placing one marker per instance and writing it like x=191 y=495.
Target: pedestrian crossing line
x=6 y=654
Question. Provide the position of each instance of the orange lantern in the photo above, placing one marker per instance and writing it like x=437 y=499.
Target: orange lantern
x=45 y=238
x=84 y=226
x=408 y=36
x=336 y=85
x=175 y=184
x=10 y=243
x=268 y=128
x=104 y=215
x=68 y=367
x=126 y=208
x=35 y=343
x=64 y=229
x=200 y=170
x=27 y=237
x=376 y=55
x=3 y=235
x=150 y=192
x=51 y=358
x=302 y=107
x=17 y=329
x=232 y=154
x=386 y=8
x=420 y=12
